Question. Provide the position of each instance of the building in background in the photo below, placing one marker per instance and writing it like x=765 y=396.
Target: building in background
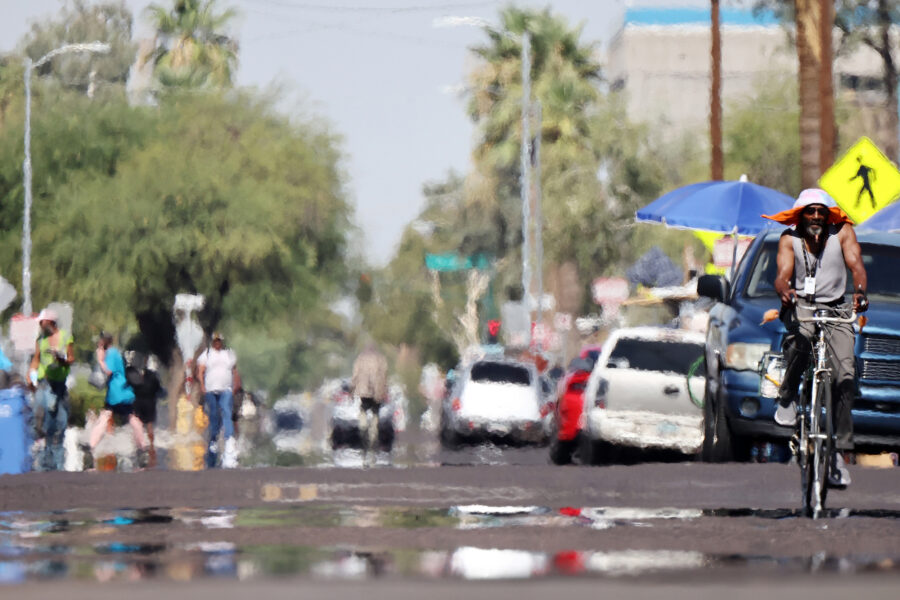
x=659 y=57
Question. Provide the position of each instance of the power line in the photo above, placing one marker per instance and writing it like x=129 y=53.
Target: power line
x=373 y=9
x=343 y=28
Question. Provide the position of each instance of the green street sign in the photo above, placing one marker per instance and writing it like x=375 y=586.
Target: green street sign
x=451 y=261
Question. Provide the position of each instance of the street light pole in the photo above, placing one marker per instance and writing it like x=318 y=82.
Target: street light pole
x=26 y=219
x=97 y=47
x=525 y=175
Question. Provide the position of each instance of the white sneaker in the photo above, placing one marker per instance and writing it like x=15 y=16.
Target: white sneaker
x=786 y=416
x=839 y=476
x=229 y=459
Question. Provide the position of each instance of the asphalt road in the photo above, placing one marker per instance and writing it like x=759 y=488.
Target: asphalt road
x=449 y=528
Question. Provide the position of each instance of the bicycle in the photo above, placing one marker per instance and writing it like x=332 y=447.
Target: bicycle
x=368 y=430
x=813 y=440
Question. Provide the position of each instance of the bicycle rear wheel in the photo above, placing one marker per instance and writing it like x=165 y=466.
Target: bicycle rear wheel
x=819 y=448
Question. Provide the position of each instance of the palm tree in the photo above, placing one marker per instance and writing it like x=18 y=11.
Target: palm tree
x=191 y=48
x=565 y=75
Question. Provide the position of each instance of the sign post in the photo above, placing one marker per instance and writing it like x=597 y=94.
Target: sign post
x=610 y=293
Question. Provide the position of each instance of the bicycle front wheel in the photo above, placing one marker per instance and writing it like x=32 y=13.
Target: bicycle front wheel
x=819 y=448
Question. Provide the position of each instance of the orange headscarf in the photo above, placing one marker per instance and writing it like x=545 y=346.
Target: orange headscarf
x=806 y=198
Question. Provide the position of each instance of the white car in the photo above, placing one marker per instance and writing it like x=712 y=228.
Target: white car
x=345 y=416
x=494 y=398
x=645 y=391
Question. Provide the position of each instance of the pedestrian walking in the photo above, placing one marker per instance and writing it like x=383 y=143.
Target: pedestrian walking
x=119 y=396
x=219 y=380
x=53 y=356
x=144 y=380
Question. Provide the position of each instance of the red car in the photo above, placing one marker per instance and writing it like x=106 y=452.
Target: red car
x=569 y=405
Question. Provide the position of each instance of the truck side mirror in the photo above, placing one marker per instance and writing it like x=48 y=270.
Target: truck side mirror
x=713 y=286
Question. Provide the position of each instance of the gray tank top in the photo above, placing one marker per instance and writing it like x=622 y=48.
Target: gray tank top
x=829 y=268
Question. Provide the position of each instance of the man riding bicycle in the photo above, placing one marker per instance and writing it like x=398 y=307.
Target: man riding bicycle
x=370 y=384
x=812 y=262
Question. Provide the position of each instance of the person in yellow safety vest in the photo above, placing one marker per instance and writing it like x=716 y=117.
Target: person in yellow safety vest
x=50 y=365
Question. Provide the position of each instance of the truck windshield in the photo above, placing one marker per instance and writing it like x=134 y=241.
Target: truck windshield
x=880 y=261
x=656 y=355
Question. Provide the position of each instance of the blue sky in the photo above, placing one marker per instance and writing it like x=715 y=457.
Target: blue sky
x=379 y=71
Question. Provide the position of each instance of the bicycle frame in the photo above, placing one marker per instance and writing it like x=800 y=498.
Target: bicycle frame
x=815 y=450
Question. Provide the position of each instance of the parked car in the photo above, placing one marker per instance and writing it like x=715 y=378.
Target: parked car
x=345 y=418
x=591 y=353
x=494 y=398
x=566 y=425
x=288 y=422
x=644 y=392
x=735 y=414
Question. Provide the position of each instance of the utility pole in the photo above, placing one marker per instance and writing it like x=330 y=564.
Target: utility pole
x=717 y=169
x=826 y=86
x=538 y=213
x=809 y=62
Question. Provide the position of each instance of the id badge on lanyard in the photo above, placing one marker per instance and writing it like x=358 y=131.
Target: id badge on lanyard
x=809 y=282
x=809 y=287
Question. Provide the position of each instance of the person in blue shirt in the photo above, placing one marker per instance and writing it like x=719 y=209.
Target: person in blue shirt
x=5 y=364
x=119 y=395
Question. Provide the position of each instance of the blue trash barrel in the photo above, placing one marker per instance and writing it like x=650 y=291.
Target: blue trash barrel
x=15 y=434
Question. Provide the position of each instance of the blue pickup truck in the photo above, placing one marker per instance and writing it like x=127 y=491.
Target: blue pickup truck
x=735 y=415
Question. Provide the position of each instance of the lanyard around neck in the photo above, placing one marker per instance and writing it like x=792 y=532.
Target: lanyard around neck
x=812 y=269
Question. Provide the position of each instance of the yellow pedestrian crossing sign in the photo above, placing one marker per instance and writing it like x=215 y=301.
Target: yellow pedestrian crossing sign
x=862 y=181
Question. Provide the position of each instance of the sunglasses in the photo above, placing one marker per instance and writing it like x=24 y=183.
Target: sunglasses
x=815 y=210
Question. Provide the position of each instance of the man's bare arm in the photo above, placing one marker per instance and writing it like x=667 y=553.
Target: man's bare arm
x=201 y=378
x=36 y=357
x=785 y=269
x=853 y=259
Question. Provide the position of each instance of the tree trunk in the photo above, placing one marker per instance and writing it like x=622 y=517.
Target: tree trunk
x=717 y=169
x=808 y=56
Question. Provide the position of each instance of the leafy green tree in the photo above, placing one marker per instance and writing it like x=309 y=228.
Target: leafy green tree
x=217 y=194
x=12 y=90
x=192 y=48
x=214 y=193
x=761 y=135
x=80 y=22
x=228 y=200
x=72 y=137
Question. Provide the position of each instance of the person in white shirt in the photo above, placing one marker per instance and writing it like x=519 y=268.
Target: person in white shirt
x=219 y=380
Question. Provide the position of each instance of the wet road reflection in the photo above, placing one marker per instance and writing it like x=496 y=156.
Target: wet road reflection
x=39 y=546
x=141 y=561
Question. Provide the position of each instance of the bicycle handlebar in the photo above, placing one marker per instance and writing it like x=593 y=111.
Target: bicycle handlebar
x=815 y=319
